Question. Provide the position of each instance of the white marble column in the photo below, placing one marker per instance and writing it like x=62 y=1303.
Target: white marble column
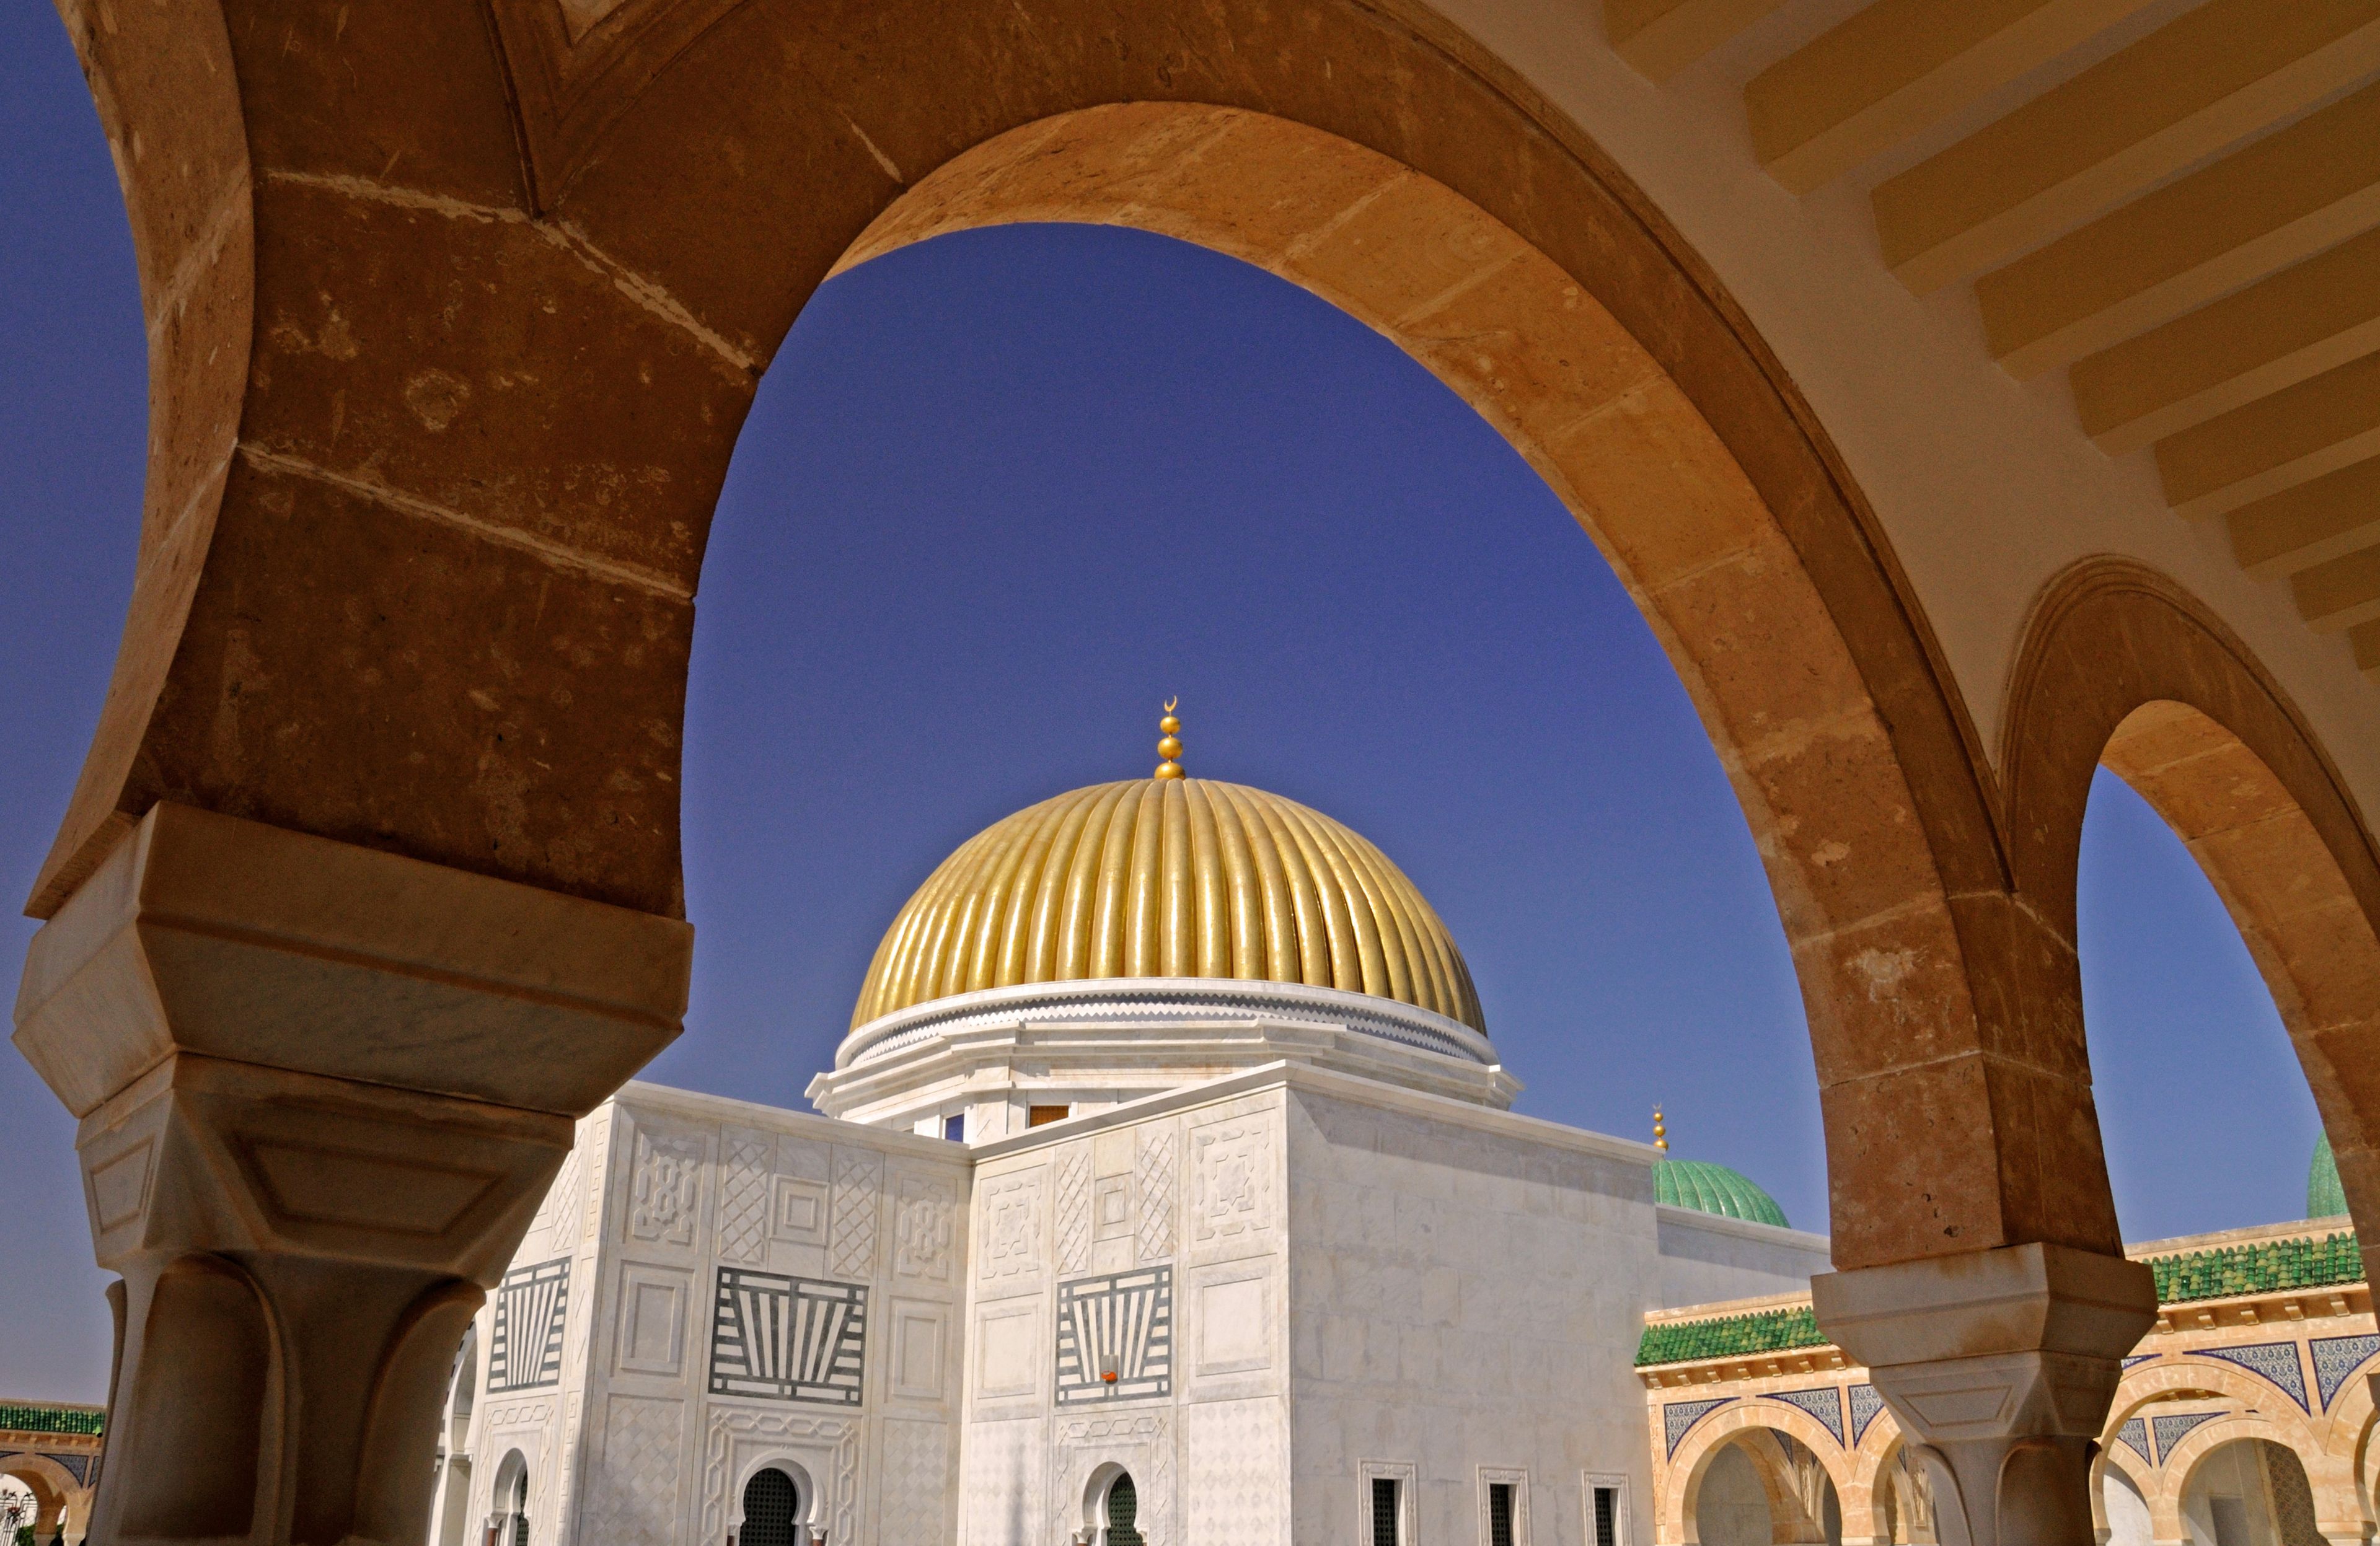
x=2000 y=1365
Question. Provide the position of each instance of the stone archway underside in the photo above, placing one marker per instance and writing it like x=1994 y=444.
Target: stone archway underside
x=452 y=344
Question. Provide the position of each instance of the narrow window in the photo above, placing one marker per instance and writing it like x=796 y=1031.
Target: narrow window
x=1124 y=1512
x=1384 y=1510
x=1606 y=1516
x=954 y=1127
x=1038 y=1116
x=1500 y=1514
x=770 y=1503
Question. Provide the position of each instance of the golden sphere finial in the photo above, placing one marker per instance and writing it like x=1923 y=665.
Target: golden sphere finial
x=1661 y=1132
x=1168 y=746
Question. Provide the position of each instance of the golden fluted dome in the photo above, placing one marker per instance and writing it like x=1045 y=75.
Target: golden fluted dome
x=1168 y=877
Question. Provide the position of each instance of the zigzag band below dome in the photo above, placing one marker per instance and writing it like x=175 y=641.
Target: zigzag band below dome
x=1166 y=999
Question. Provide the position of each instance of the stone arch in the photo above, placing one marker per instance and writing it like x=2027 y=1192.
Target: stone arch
x=2120 y=1459
x=2333 y=1507
x=507 y=294
x=2218 y=1378
x=2122 y=666
x=56 y=1491
x=1748 y=1423
x=512 y=1498
x=1876 y=1468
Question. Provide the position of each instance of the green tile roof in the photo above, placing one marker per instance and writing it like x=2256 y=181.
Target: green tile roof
x=1768 y=1331
x=1713 y=1189
x=2264 y=1268
x=51 y=1417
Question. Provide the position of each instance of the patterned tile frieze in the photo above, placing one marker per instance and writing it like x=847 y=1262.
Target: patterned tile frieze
x=1826 y=1404
x=1679 y=1416
x=2276 y=1361
x=525 y=1344
x=2137 y=1359
x=858 y=1190
x=1153 y=1170
x=2335 y=1357
x=1073 y=1209
x=1865 y=1403
x=1119 y=1324
x=2134 y=1436
x=2171 y=1429
x=744 y=1175
x=787 y=1338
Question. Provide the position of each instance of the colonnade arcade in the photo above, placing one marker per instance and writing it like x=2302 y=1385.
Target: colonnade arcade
x=370 y=884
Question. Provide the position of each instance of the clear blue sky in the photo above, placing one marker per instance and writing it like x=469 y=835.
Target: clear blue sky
x=1003 y=493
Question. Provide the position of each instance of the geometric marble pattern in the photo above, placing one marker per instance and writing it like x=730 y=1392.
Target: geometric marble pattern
x=1234 y=1460
x=858 y=1184
x=2276 y=1361
x=1826 y=1405
x=1679 y=1416
x=525 y=1348
x=791 y=1338
x=2170 y=1430
x=1865 y=1404
x=1116 y=1336
x=2335 y=1357
x=1153 y=1168
x=1075 y=1210
x=744 y=1198
x=2134 y=1433
x=632 y=1496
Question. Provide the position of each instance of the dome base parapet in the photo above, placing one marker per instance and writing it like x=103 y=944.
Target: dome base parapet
x=992 y=1057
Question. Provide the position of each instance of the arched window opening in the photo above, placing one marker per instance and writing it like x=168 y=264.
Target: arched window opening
x=1764 y=1488
x=771 y=1503
x=1120 y=1515
x=508 y=1523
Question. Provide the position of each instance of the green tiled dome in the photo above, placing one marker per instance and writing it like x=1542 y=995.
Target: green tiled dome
x=2325 y=1196
x=1713 y=1189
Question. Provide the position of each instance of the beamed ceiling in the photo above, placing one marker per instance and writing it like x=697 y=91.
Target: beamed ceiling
x=2176 y=207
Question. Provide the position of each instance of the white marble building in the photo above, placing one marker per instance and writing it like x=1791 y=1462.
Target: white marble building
x=1167 y=1194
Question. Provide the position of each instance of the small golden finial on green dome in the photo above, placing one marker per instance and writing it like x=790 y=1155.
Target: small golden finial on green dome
x=1169 y=746
x=1661 y=1132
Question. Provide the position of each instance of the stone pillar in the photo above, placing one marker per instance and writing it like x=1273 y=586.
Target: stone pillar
x=2000 y=1365
x=323 y=1090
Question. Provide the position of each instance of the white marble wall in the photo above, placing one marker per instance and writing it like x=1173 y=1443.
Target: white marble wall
x=663 y=1189
x=1706 y=1258
x=1196 y=1189
x=1467 y=1290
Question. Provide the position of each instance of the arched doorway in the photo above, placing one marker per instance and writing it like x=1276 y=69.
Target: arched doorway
x=772 y=1502
x=1764 y=1488
x=2249 y=1492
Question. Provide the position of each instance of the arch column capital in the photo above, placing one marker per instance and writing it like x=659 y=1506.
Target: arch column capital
x=2000 y=1365
x=322 y=1089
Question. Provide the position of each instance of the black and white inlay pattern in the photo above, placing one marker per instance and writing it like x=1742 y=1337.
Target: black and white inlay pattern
x=1865 y=1404
x=787 y=1338
x=1679 y=1416
x=1116 y=1336
x=525 y=1346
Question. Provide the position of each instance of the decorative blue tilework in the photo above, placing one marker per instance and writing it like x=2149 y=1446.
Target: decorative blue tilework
x=1865 y=1404
x=1826 y=1405
x=2335 y=1357
x=2276 y=1361
x=2136 y=1360
x=2136 y=1433
x=2170 y=1430
x=1679 y=1416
